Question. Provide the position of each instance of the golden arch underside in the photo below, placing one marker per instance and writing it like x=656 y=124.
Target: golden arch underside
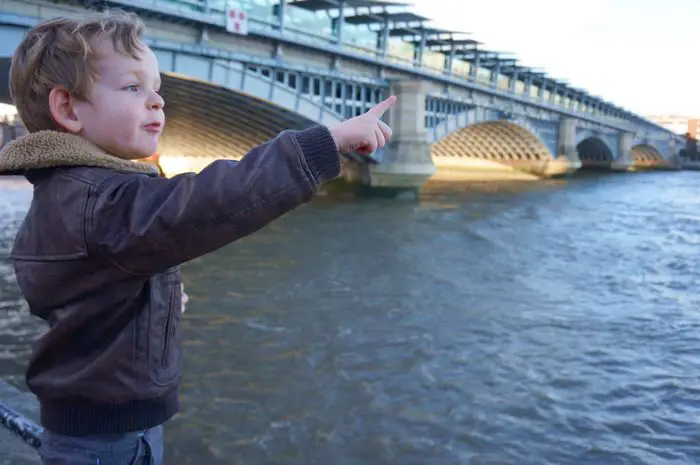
x=646 y=156
x=214 y=122
x=497 y=141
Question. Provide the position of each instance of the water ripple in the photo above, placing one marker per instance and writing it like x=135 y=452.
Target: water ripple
x=544 y=324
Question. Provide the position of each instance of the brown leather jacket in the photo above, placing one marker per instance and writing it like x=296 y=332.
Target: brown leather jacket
x=98 y=258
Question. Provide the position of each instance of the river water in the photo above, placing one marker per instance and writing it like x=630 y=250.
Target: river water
x=533 y=323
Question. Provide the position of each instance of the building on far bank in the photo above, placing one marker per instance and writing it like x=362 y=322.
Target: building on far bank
x=679 y=124
x=694 y=128
x=688 y=126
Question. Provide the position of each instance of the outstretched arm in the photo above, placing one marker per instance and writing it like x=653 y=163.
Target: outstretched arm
x=145 y=225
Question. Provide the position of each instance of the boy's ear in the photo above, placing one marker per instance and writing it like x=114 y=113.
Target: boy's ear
x=61 y=104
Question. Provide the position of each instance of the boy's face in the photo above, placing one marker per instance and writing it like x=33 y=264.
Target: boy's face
x=123 y=112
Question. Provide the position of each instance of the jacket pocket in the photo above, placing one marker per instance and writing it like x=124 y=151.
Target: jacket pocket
x=165 y=353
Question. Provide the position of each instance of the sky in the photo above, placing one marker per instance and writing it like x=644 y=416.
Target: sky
x=643 y=55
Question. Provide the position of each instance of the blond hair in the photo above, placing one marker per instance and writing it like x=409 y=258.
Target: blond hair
x=60 y=53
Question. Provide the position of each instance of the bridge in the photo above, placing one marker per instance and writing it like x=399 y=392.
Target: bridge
x=463 y=110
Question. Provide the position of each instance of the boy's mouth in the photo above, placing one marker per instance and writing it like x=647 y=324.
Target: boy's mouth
x=153 y=127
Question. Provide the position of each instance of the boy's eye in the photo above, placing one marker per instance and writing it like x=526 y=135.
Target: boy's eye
x=132 y=88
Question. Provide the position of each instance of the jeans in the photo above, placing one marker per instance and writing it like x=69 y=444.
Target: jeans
x=137 y=448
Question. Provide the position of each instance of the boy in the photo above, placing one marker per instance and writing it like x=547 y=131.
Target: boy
x=98 y=253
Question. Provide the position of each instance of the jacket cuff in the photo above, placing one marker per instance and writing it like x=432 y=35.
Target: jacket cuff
x=320 y=152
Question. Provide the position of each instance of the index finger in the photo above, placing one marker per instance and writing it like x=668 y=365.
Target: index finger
x=379 y=109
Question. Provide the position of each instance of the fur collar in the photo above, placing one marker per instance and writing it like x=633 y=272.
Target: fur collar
x=50 y=149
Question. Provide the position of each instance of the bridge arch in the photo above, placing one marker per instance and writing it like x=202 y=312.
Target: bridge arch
x=205 y=122
x=595 y=154
x=497 y=145
x=645 y=156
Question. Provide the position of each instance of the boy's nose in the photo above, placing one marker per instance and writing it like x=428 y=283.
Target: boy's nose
x=156 y=102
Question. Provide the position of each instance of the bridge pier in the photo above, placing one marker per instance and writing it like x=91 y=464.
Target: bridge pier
x=405 y=163
x=673 y=157
x=566 y=159
x=624 y=160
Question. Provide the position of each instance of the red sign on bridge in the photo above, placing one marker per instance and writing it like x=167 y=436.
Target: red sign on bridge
x=236 y=21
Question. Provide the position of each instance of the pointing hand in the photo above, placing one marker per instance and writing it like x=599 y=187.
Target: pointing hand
x=365 y=133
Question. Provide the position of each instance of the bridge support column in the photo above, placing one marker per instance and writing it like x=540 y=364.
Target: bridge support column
x=405 y=162
x=624 y=160
x=673 y=157
x=566 y=159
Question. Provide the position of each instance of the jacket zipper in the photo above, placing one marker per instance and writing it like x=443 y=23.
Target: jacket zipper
x=168 y=329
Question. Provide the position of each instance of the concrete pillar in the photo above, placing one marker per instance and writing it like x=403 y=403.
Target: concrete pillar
x=281 y=14
x=673 y=157
x=566 y=139
x=405 y=161
x=624 y=161
x=566 y=159
x=4 y=134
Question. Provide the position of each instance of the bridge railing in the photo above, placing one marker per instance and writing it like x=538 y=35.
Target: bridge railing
x=262 y=19
x=307 y=37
